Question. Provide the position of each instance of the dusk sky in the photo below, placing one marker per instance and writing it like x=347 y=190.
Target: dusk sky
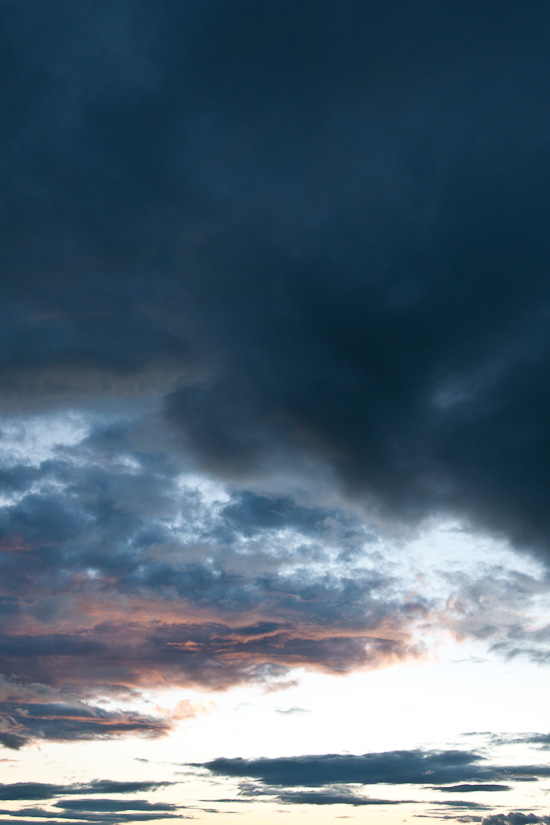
x=275 y=412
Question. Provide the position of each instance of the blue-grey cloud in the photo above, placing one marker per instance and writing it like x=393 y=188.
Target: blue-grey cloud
x=63 y=723
x=93 y=816
x=392 y=767
x=332 y=797
x=42 y=790
x=516 y=818
x=469 y=788
x=114 y=805
x=335 y=778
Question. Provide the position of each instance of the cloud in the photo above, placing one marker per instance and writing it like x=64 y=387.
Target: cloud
x=114 y=805
x=105 y=575
x=542 y=739
x=43 y=790
x=391 y=767
x=94 y=816
x=139 y=574
x=93 y=807
x=333 y=779
x=14 y=741
x=460 y=804
x=293 y=270
x=291 y=711
x=63 y=723
x=465 y=788
x=316 y=307
x=516 y=818
x=329 y=797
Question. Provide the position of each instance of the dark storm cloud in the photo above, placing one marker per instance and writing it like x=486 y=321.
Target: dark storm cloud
x=402 y=344
x=332 y=216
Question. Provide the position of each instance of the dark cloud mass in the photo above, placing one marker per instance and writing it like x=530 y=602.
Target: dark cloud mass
x=274 y=275
x=325 y=229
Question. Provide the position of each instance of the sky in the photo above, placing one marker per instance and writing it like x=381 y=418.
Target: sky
x=274 y=412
